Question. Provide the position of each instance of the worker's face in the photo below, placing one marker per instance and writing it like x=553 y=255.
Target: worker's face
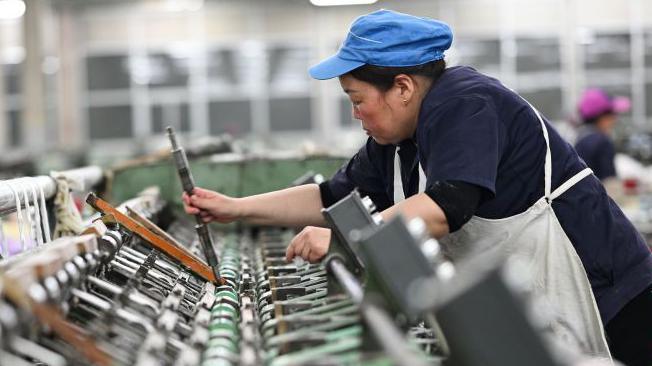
x=607 y=122
x=384 y=115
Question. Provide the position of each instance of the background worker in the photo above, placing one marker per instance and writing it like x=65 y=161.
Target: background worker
x=485 y=172
x=594 y=144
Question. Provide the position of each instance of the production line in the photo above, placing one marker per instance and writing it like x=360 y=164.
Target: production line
x=135 y=305
x=135 y=288
x=139 y=307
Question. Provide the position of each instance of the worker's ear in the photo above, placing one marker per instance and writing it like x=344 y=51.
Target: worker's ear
x=404 y=86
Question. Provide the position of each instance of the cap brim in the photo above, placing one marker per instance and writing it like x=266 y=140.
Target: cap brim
x=333 y=67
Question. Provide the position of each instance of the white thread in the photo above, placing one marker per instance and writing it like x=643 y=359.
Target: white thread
x=19 y=215
x=37 y=213
x=28 y=211
x=46 y=221
x=4 y=246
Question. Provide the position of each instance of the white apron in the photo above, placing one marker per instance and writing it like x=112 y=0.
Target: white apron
x=399 y=195
x=536 y=239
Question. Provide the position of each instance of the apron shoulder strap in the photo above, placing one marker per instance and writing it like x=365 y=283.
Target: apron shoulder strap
x=548 y=162
x=398 y=180
x=399 y=195
x=548 y=166
x=571 y=182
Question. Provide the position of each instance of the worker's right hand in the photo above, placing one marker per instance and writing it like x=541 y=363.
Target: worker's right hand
x=210 y=205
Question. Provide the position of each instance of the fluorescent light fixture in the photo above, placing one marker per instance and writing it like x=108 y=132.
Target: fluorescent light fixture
x=183 y=5
x=11 y=9
x=12 y=55
x=341 y=2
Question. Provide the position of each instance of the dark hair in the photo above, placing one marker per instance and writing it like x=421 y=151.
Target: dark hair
x=382 y=77
x=595 y=119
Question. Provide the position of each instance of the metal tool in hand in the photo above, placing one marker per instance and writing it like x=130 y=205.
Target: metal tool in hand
x=188 y=185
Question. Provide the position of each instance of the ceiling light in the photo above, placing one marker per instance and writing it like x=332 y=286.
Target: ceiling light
x=341 y=2
x=183 y=5
x=11 y=9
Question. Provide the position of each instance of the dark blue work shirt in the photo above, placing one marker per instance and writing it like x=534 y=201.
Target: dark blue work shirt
x=471 y=128
x=597 y=151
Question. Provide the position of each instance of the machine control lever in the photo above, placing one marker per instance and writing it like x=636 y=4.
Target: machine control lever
x=188 y=185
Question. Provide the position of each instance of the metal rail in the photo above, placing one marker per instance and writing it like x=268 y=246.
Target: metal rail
x=24 y=186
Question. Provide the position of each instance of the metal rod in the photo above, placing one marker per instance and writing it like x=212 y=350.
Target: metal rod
x=88 y=176
x=188 y=185
x=382 y=327
x=389 y=337
x=347 y=280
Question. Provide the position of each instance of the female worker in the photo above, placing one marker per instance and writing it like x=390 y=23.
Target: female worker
x=484 y=170
x=598 y=112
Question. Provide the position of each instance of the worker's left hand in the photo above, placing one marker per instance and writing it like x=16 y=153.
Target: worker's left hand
x=310 y=244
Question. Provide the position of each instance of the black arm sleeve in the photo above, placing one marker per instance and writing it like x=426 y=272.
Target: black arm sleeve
x=327 y=196
x=457 y=199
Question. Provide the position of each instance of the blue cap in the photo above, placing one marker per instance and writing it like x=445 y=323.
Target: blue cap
x=387 y=38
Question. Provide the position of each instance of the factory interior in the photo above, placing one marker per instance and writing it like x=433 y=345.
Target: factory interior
x=373 y=182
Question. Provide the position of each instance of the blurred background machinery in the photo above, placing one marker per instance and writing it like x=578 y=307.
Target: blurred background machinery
x=92 y=82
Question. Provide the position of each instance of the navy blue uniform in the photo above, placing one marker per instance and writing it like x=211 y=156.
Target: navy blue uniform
x=597 y=151
x=473 y=129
